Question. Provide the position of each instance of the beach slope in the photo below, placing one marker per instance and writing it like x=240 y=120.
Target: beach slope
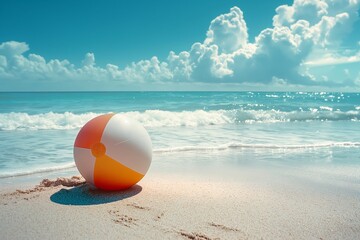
x=167 y=207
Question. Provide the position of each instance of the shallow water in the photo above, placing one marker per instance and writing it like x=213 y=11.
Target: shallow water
x=303 y=130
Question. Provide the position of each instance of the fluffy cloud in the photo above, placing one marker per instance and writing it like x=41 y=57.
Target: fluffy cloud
x=12 y=48
x=327 y=20
x=228 y=31
x=15 y=65
x=309 y=10
x=282 y=54
x=334 y=58
x=277 y=53
x=89 y=60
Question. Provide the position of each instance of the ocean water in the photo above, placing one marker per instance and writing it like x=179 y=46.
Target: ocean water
x=313 y=130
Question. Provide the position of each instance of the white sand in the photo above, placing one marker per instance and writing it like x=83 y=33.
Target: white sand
x=182 y=207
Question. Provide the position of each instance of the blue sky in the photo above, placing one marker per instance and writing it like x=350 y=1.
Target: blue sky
x=119 y=32
x=179 y=45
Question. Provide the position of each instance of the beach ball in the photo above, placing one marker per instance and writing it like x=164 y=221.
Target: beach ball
x=112 y=152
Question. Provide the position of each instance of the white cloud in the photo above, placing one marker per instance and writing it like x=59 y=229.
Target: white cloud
x=328 y=19
x=12 y=48
x=308 y=10
x=334 y=59
x=279 y=55
x=228 y=31
x=89 y=60
x=147 y=70
x=3 y=61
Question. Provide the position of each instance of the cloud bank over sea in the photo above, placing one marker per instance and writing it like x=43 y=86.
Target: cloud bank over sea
x=304 y=40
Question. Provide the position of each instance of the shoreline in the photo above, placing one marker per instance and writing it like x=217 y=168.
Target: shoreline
x=218 y=195
x=178 y=206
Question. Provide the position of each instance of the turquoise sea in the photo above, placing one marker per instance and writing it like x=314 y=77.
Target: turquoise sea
x=312 y=131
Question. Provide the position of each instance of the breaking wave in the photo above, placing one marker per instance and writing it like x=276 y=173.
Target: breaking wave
x=159 y=118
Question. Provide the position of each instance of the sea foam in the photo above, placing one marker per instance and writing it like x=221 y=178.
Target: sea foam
x=160 y=118
x=235 y=145
x=23 y=172
x=199 y=148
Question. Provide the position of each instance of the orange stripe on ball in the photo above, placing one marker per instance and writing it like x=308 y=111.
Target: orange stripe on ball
x=112 y=175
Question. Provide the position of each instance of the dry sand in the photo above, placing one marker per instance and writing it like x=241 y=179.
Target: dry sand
x=168 y=207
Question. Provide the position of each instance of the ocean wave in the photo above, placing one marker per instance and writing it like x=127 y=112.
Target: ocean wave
x=220 y=147
x=160 y=118
x=233 y=145
x=35 y=171
x=44 y=121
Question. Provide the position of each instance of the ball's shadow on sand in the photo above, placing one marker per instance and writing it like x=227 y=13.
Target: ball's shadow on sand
x=88 y=195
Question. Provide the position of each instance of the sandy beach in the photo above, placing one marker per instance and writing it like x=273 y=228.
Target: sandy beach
x=192 y=120
x=186 y=206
